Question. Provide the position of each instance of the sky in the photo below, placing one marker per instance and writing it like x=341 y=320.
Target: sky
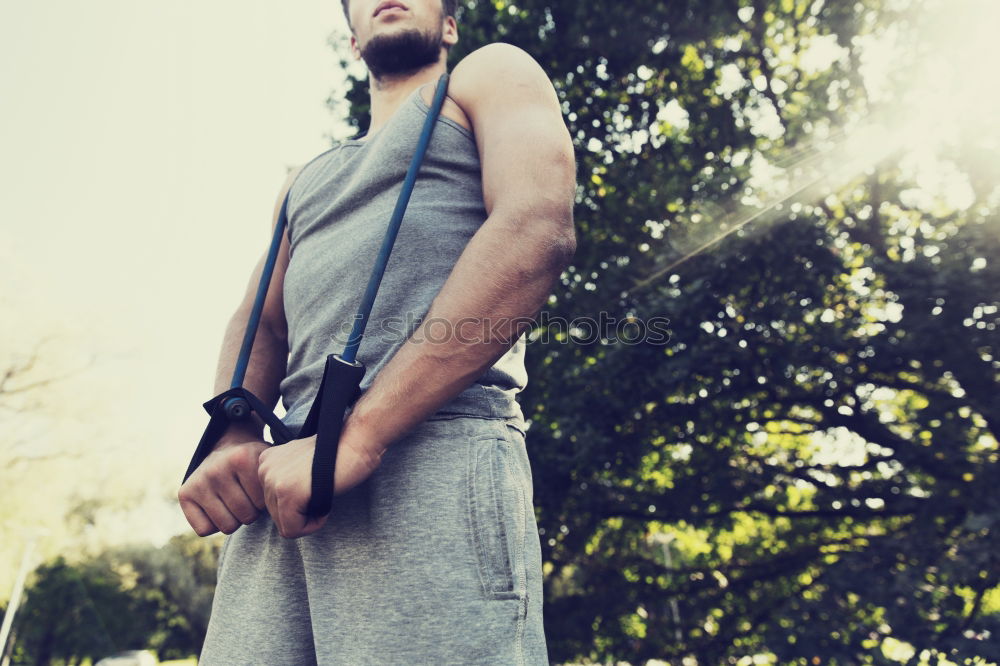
x=142 y=148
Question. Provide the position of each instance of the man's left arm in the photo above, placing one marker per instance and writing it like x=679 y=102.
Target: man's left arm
x=508 y=268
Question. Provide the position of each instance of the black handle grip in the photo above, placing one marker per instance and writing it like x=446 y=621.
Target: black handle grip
x=337 y=391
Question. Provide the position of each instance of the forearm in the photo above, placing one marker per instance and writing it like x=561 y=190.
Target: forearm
x=267 y=367
x=494 y=285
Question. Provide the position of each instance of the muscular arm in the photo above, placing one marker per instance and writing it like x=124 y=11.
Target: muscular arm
x=269 y=356
x=508 y=267
x=225 y=491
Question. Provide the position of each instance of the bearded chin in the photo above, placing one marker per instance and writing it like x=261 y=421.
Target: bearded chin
x=401 y=53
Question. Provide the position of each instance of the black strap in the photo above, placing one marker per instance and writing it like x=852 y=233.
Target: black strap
x=337 y=391
x=343 y=373
x=219 y=420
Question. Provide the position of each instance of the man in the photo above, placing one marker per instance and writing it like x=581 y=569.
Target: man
x=431 y=551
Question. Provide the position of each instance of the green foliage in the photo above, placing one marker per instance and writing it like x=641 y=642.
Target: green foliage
x=78 y=611
x=178 y=580
x=808 y=470
x=136 y=597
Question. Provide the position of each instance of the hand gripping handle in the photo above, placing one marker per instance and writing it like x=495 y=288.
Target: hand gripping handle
x=337 y=391
x=220 y=417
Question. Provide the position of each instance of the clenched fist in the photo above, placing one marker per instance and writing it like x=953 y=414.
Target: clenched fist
x=285 y=473
x=225 y=491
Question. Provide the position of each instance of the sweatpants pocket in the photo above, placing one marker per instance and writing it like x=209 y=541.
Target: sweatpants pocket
x=495 y=515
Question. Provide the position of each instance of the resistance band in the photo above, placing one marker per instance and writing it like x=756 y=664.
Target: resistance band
x=343 y=373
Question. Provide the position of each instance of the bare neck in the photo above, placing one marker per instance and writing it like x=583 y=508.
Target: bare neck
x=387 y=94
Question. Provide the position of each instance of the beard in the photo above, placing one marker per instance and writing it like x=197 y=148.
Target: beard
x=402 y=53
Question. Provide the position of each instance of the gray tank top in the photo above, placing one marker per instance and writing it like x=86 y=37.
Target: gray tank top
x=339 y=207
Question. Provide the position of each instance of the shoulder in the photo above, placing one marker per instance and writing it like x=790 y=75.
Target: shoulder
x=498 y=70
x=497 y=77
x=290 y=176
x=498 y=58
x=292 y=172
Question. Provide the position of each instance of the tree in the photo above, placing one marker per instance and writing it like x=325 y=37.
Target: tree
x=130 y=597
x=178 y=580
x=73 y=612
x=815 y=449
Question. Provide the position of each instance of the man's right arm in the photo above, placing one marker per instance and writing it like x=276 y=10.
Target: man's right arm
x=267 y=366
x=224 y=492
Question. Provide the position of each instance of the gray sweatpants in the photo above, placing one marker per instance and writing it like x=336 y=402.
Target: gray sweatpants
x=435 y=559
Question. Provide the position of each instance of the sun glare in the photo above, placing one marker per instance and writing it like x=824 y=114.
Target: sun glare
x=941 y=88
x=949 y=84
x=926 y=86
x=927 y=82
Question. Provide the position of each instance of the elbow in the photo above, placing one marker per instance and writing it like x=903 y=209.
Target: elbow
x=554 y=242
x=270 y=325
x=570 y=239
x=546 y=235
x=276 y=326
x=563 y=242
x=563 y=252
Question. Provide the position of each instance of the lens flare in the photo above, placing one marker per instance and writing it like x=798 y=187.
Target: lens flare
x=942 y=64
